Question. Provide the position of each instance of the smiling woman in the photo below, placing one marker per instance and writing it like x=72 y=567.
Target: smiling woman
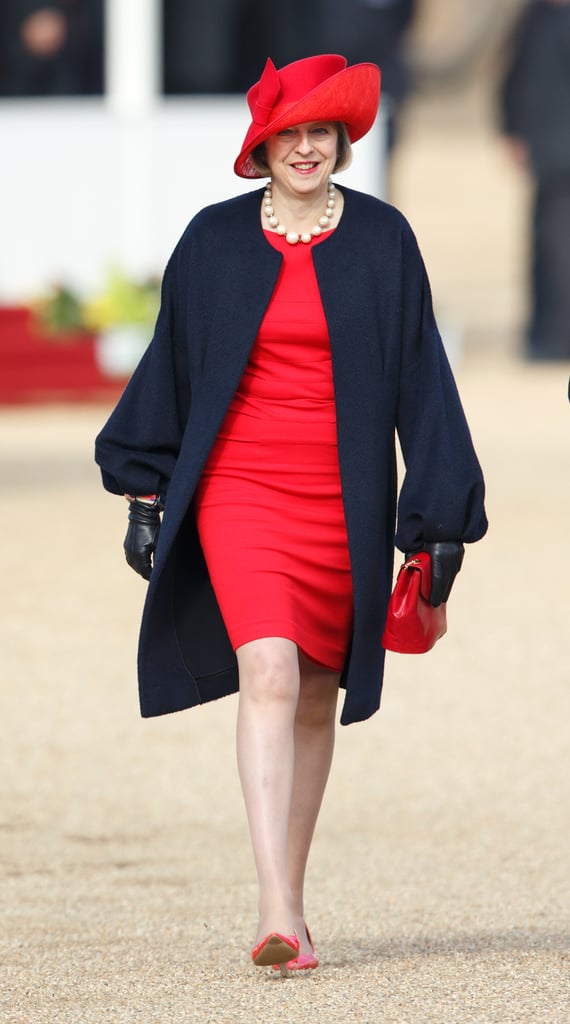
x=300 y=161
x=343 y=151
x=262 y=422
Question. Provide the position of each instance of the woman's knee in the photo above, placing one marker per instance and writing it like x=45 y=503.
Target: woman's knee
x=269 y=670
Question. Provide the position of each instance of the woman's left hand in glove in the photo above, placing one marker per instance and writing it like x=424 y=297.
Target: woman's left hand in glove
x=446 y=558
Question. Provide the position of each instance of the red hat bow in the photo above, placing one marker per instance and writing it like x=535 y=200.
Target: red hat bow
x=267 y=92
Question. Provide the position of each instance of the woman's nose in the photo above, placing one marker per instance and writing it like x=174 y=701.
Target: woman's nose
x=304 y=143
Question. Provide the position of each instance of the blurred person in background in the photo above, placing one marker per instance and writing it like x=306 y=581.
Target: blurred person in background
x=535 y=109
x=51 y=49
x=373 y=30
x=295 y=337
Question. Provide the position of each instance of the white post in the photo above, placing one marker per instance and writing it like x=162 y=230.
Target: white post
x=132 y=54
x=133 y=66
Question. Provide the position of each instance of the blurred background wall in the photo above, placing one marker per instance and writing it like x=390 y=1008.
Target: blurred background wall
x=120 y=118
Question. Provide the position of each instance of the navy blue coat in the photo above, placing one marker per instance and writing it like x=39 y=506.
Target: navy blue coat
x=390 y=374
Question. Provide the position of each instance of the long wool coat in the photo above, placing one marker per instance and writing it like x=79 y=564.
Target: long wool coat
x=390 y=374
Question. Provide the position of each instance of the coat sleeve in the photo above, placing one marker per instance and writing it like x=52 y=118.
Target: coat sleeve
x=138 y=446
x=442 y=493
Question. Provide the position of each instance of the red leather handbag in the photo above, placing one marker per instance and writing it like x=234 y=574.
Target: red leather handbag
x=413 y=625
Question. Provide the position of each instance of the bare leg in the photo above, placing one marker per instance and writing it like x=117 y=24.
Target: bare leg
x=269 y=692
x=285 y=741
x=314 y=745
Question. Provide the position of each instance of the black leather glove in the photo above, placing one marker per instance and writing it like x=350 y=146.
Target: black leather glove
x=142 y=536
x=446 y=558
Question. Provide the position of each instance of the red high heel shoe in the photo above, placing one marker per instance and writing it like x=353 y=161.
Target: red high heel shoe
x=274 y=949
x=303 y=962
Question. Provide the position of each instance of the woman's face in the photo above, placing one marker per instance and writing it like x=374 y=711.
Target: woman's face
x=302 y=158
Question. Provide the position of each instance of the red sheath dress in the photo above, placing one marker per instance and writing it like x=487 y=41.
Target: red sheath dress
x=269 y=506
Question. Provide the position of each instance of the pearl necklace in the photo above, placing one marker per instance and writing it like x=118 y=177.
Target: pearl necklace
x=291 y=236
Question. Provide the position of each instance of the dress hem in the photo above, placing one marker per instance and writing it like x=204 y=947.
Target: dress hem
x=261 y=629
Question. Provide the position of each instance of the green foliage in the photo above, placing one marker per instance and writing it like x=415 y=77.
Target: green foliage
x=62 y=311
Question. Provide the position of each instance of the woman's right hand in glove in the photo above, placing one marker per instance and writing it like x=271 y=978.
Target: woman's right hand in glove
x=142 y=535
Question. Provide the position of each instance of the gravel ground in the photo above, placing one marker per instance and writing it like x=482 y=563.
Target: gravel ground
x=439 y=884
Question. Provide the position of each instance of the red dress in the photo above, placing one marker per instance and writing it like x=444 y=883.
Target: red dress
x=269 y=506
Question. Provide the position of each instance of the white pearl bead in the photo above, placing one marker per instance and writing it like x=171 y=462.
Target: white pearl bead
x=306 y=237
x=317 y=230
x=274 y=221
x=292 y=237
x=281 y=230
x=324 y=221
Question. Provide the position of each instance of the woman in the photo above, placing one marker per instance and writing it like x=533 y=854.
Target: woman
x=295 y=336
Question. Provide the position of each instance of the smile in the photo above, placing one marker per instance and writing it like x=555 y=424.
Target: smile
x=303 y=168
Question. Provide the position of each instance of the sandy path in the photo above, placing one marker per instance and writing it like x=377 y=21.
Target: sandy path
x=439 y=885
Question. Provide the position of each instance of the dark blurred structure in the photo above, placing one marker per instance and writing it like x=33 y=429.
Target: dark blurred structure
x=535 y=109
x=198 y=46
x=220 y=46
x=51 y=49
x=372 y=30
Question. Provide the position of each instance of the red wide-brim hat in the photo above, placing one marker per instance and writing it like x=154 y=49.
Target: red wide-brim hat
x=321 y=88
